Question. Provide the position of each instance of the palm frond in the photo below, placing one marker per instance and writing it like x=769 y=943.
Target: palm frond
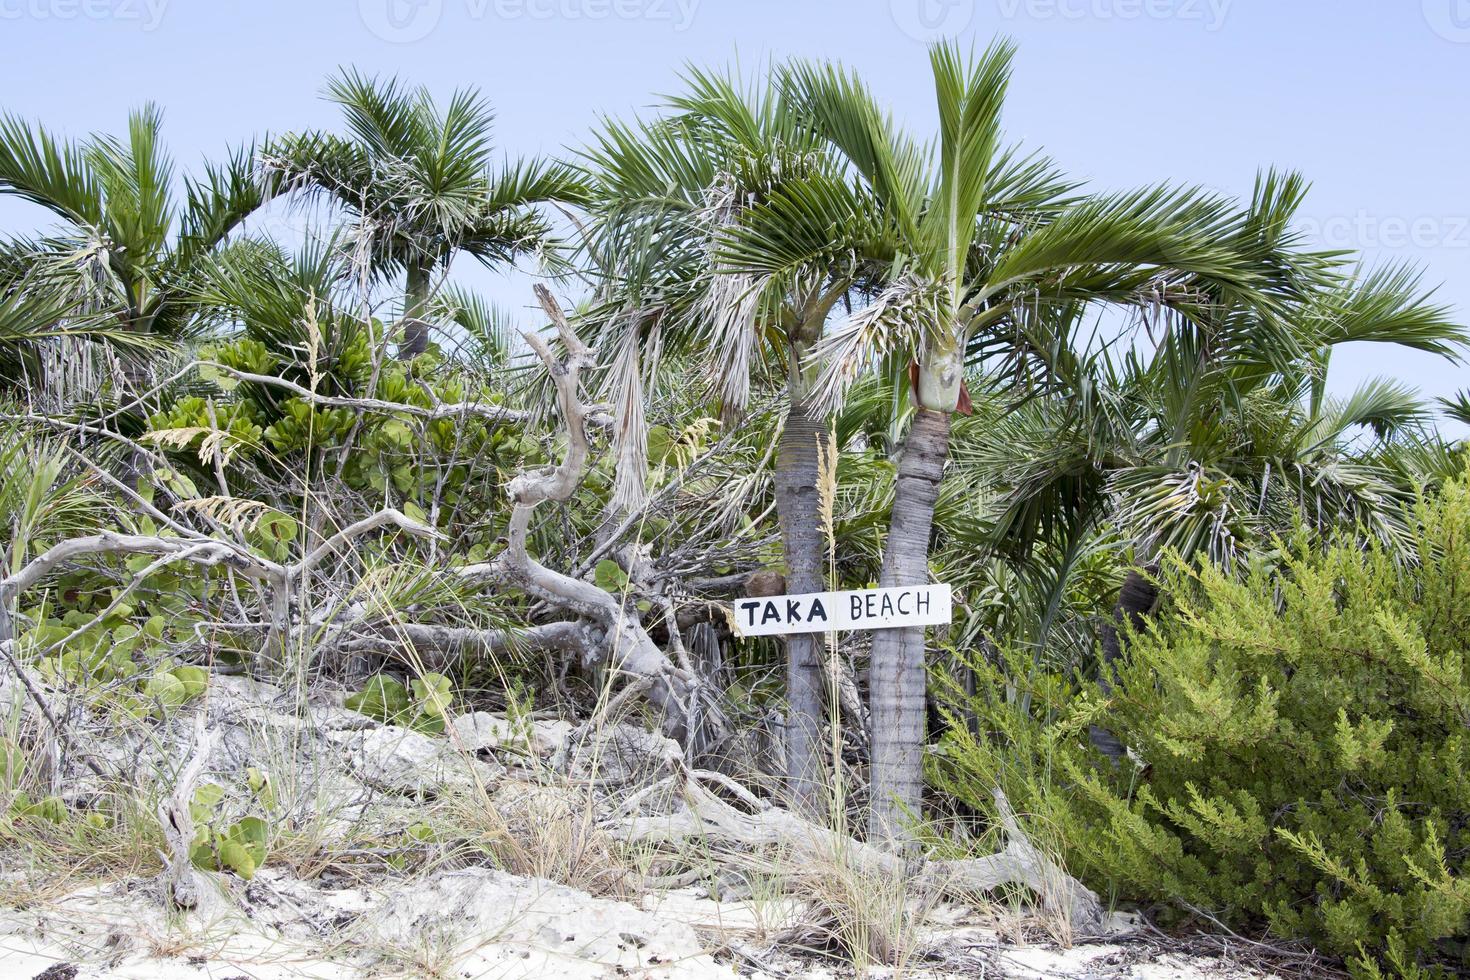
x=1389 y=305
x=970 y=96
x=1383 y=405
x=1182 y=229
x=215 y=205
x=53 y=173
x=842 y=110
x=489 y=329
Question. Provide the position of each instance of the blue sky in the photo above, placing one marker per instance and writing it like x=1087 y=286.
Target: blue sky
x=1366 y=97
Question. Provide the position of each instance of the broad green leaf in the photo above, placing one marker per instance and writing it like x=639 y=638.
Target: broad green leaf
x=253 y=834
x=609 y=575
x=195 y=680
x=237 y=857
x=165 y=689
x=382 y=698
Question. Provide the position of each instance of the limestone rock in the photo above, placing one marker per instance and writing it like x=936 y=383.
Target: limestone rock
x=400 y=760
x=483 y=732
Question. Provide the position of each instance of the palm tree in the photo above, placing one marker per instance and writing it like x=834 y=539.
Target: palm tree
x=419 y=185
x=34 y=316
x=981 y=240
x=122 y=262
x=1221 y=437
x=664 y=193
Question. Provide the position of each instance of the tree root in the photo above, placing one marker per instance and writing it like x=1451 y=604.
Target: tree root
x=698 y=813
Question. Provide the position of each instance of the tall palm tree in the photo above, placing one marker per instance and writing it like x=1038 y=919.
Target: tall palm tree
x=664 y=193
x=1210 y=440
x=122 y=261
x=1219 y=435
x=420 y=186
x=981 y=239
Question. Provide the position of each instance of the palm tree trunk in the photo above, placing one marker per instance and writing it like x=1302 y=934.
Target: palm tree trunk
x=798 y=505
x=415 y=307
x=896 y=677
x=1135 y=601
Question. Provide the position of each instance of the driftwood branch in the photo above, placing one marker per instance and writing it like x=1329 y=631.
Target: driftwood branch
x=192 y=547
x=444 y=410
x=182 y=883
x=498 y=414
x=439 y=647
x=689 y=714
x=111 y=543
x=197 y=549
x=388 y=517
x=700 y=814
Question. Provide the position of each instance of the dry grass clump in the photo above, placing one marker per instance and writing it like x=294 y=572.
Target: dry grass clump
x=866 y=919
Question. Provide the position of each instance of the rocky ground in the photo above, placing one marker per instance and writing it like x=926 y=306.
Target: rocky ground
x=398 y=853
x=478 y=922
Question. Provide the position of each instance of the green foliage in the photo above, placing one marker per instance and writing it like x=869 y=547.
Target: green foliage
x=119 y=663
x=264 y=432
x=301 y=426
x=204 y=425
x=40 y=500
x=50 y=809
x=240 y=846
x=609 y=575
x=1300 y=744
x=422 y=706
x=274 y=533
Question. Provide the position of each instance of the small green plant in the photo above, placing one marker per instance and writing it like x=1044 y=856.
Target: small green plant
x=422 y=706
x=240 y=846
x=413 y=841
x=609 y=576
x=51 y=809
x=124 y=664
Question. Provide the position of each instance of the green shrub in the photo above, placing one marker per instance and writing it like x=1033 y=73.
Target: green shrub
x=241 y=846
x=1300 y=742
x=421 y=706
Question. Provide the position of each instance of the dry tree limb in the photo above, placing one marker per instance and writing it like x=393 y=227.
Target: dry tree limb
x=387 y=517
x=1021 y=863
x=689 y=714
x=440 y=647
x=443 y=410
x=199 y=549
x=182 y=884
x=699 y=814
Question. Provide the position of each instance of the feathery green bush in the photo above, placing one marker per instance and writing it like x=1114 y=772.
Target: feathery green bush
x=1299 y=743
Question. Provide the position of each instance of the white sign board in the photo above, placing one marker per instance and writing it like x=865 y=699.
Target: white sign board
x=861 y=609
